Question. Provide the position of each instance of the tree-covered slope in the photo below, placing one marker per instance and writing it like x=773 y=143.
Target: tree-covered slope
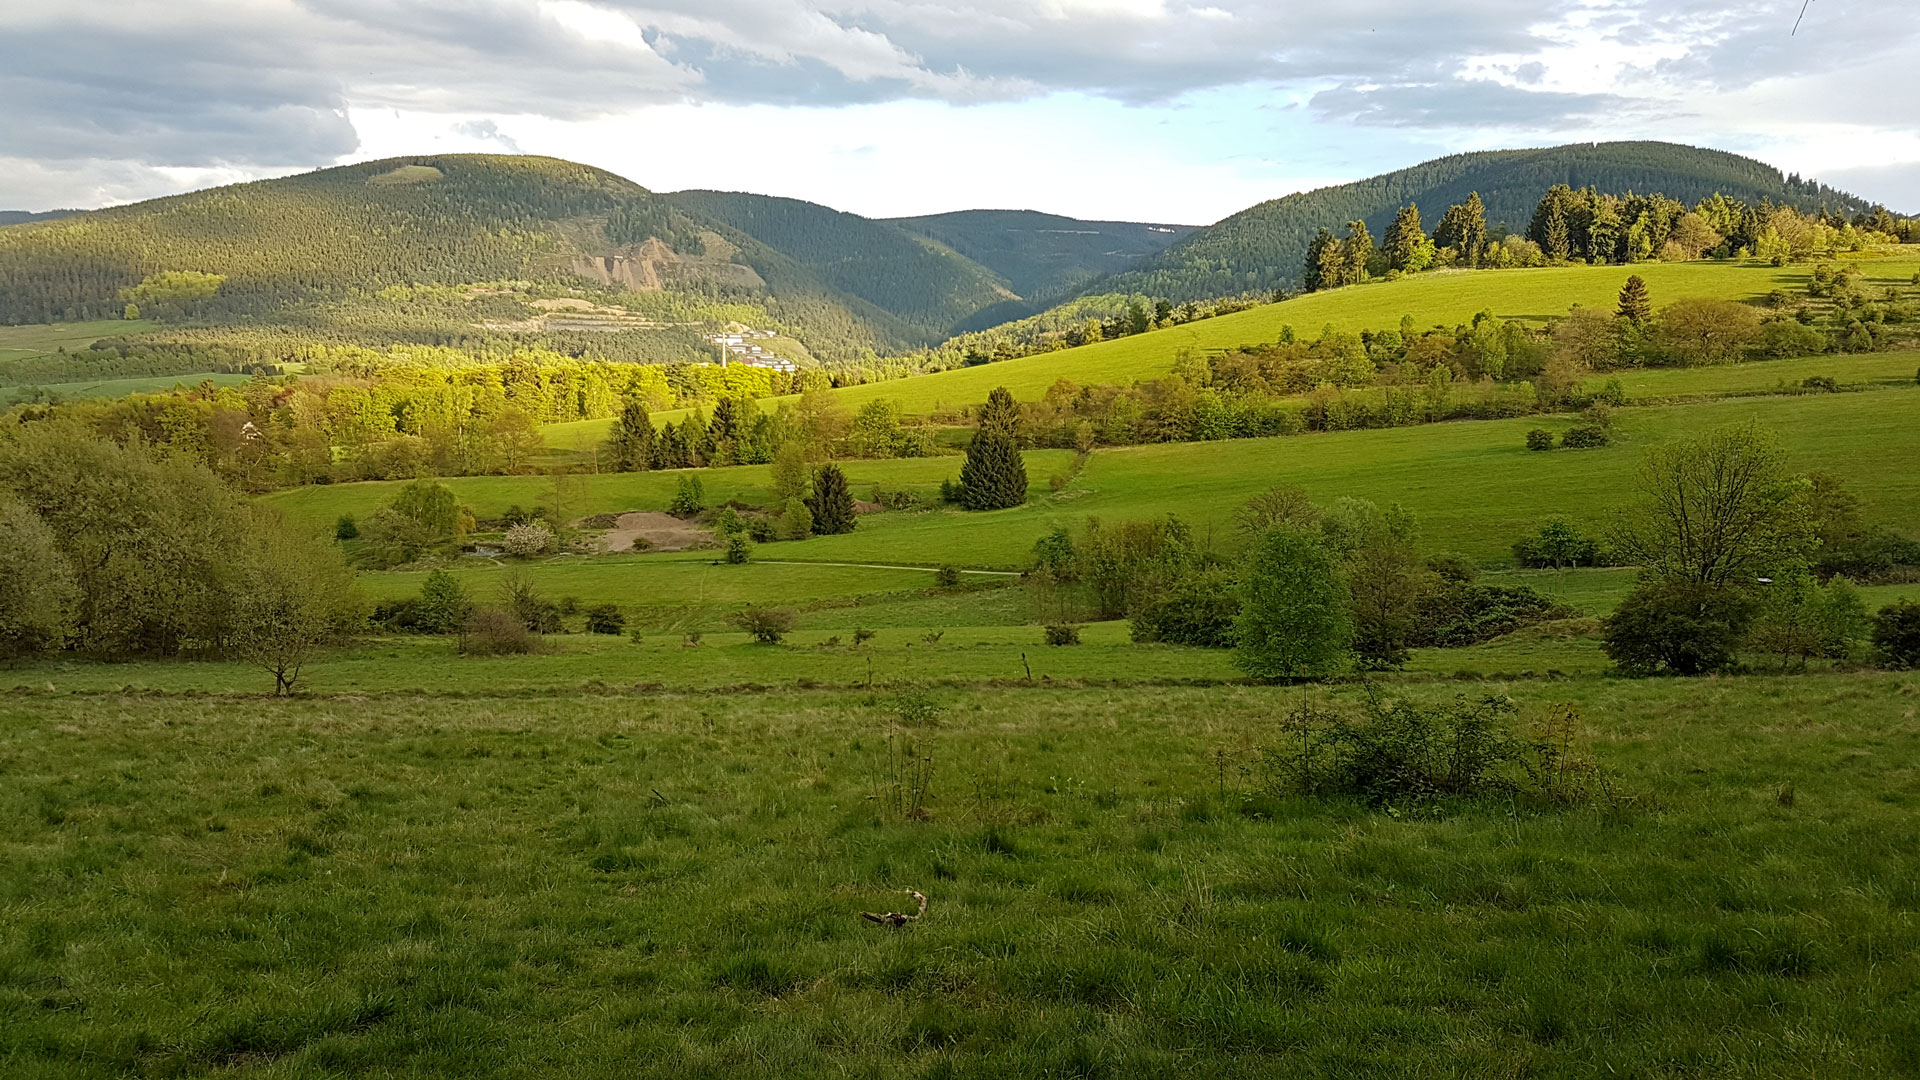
x=437 y=220
x=923 y=283
x=1262 y=247
x=22 y=217
x=1044 y=255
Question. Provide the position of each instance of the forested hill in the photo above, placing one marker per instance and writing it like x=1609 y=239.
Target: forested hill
x=1044 y=256
x=1263 y=247
x=925 y=285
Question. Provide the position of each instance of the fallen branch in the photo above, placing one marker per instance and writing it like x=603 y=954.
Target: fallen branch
x=898 y=919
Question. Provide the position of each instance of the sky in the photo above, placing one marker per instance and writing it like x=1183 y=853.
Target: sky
x=1178 y=111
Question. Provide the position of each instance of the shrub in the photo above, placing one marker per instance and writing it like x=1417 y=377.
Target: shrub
x=1678 y=627
x=605 y=619
x=947 y=577
x=346 y=528
x=1539 y=439
x=796 y=521
x=1557 y=545
x=522 y=600
x=38 y=592
x=739 y=549
x=1198 y=609
x=491 y=632
x=861 y=636
x=1896 y=634
x=895 y=498
x=1453 y=567
x=1585 y=437
x=527 y=539
x=1399 y=753
x=1463 y=613
x=1824 y=383
x=394 y=539
x=1063 y=634
x=767 y=625
x=689 y=497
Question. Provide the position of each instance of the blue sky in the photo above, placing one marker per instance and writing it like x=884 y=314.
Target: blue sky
x=1164 y=110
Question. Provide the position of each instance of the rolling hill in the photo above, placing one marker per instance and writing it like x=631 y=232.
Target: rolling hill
x=1044 y=255
x=1262 y=247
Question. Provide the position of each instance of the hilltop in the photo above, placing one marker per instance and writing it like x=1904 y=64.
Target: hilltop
x=1045 y=255
x=1262 y=247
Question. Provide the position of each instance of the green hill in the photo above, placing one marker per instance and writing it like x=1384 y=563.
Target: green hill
x=926 y=286
x=22 y=217
x=344 y=234
x=1262 y=248
x=1044 y=255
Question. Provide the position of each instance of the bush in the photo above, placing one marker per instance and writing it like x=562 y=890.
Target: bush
x=689 y=498
x=1824 y=383
x=739 y=549
x=1539 y=439
x=1198 y=609
x=1896 y=634
x=896 y=498
x=1063 y=634
x=1453 y=567
x=1678 y=627
x=796 y=521
x=767 y=625
x=861 y=636
x=605 y=619
x=346 y=528
x=1585 y=437
x=1558 y=544
x=521 y=600
x=1463 y=613
x=947 y=577
x=490 y=632
x=527 y=539
x=1401 y=753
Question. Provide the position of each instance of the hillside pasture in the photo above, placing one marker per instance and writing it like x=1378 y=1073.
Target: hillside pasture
x=32 y=340
x=113 y=388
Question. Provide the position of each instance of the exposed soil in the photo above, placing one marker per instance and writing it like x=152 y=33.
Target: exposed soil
x=664 y=531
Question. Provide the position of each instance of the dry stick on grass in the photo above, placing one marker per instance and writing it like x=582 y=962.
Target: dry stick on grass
x=898 y=919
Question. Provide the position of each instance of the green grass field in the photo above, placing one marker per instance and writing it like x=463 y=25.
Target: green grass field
x=39 y=339
x=624 y=886
x=113 y=388
x=1440 y=299
x=1473 y=484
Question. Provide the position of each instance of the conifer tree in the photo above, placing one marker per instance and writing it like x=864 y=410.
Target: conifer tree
x=994 y=476
x=1313 y=275
x=1556 y=243
x=1001 y=413
x=831 y=502
x=1404 y=237
x=1356 y=252
x=1464 y=229
x=631 y=443
x=1636 y=303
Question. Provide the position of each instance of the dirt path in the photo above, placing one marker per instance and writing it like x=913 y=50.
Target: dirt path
x=664 y=531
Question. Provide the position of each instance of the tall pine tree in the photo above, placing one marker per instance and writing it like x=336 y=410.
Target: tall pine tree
x=1404 y=237
x=831 y=502
x=1636 y=303
x=1356 y=252
x=1464 y=229
x=1322 y=251
x=994 y=476
x=631 y=442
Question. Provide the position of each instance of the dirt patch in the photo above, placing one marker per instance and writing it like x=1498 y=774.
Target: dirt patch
x=664 y=531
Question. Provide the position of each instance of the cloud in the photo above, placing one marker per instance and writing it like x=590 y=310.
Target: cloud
x=100 y=89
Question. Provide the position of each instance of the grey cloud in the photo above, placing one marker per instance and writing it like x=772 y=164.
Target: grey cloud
x=1463 y=103
x=1896 y=185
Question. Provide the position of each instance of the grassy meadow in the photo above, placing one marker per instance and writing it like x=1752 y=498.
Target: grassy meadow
x=630 y=886
x=1436 y=299
x=1474 y=485
x=39 y=339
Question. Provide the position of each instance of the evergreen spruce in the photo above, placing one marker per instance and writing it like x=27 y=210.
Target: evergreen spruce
x=1404 y=237
x=1356 y=252
x=831 y=502
x=631 y=444
x=994 y=476
x=1313 y=276
x=1636 y=303
x=1001 y=413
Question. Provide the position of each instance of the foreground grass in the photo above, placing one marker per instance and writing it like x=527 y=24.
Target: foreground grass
x=669 y=886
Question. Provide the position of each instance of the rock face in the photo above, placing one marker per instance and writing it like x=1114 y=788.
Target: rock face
x=653 y=265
